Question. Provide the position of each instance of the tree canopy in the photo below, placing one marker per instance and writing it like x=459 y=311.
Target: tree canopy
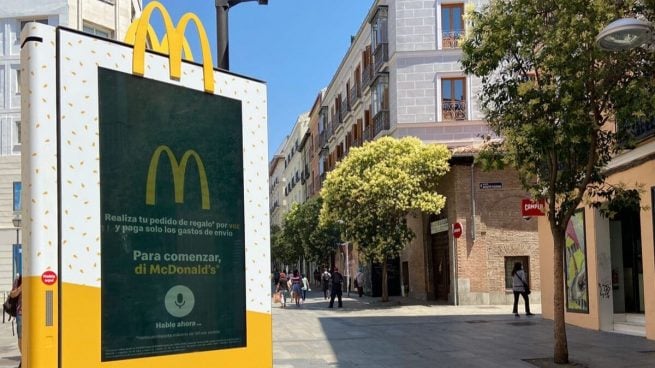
x=552 y=96
x=375 y=187
x=303 y=233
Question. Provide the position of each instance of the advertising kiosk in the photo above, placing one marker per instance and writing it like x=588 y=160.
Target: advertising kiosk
x=145 y=203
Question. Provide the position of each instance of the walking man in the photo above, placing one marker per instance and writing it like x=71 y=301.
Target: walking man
x=337 y=279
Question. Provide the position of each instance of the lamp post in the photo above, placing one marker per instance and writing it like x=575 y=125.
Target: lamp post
x=625 y=34
x=222 y=39
x=16 y=221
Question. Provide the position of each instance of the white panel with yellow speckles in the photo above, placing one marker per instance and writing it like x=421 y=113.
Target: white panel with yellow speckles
x=39 y=149
x=80 y=192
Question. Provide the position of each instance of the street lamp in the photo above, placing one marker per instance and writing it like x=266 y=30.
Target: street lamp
x=16 y=221
x=222 y=39
x=625 y=34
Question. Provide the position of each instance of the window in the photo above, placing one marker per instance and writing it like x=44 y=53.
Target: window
x=17 y=135
x=97 y=30
x=452 y=25
x=380 y=94
x=509 y=265
x=453 y=99
x=25 y=21
x=18 y=81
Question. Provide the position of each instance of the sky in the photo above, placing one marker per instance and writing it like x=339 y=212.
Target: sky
x=295 y=46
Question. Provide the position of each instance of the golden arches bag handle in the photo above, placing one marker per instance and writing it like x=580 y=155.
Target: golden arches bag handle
x=175 y=39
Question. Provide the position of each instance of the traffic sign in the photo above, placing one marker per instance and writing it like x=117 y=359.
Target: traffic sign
x=457 y=230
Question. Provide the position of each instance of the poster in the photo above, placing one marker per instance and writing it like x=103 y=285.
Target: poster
x=172 y=219
x=575 y=264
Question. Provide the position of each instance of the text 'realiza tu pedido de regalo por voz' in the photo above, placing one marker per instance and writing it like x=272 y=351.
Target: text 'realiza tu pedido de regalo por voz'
x=157 y=263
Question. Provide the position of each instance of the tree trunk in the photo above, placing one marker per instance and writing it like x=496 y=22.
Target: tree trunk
x=559 y=326
x=385 y=285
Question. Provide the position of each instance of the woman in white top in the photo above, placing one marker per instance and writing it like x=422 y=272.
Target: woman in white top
x=520 y=287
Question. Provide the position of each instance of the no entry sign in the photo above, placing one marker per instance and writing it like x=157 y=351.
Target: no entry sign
x=457 y=230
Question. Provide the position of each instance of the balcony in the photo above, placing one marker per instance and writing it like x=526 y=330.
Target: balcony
x=453 y=110
x=367 y=75
x=345 y=109
x=452 y=39
x=381 y=121
x=355 y=94
x=631 y=133
x=381 y=55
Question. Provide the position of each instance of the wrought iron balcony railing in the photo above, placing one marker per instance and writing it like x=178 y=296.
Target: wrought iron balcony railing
x=453 y=109
x=381 y=121
x=381 y=55
x=452 y=39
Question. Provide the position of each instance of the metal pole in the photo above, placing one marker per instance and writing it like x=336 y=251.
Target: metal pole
x=17 y=239
x=347 y=271
x=222 y=40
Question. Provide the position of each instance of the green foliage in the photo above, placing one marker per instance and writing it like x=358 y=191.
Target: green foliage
x=550 y=92
x=376 y=186
x=305 y=236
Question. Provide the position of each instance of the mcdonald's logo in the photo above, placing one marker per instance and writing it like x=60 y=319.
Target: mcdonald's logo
x=173 y=43
x=179 y=172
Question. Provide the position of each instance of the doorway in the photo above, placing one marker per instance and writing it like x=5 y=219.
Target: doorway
x=627 y=265
x=441 y=265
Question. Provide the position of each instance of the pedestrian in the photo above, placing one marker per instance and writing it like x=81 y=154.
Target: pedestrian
x=17 y=292
x=337 y=280
x=325 y=277
x=317 y=277
x=296 y=287
x=359 y=282
x=520 y=287
x=305 y=287
x=283 y=289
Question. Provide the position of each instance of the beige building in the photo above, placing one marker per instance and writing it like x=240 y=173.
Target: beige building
x=104 y=18
x=610 y=263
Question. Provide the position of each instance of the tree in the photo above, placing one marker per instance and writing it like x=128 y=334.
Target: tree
x=551 y=95
x=310 y=239
x=373 y=190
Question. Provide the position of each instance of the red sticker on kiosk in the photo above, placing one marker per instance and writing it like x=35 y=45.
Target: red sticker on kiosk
x=49 y=278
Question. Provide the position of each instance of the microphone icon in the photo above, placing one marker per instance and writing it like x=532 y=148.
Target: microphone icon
x=179 y=302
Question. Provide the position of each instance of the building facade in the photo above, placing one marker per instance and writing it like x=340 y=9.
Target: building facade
x=401 y=77
x=105 y=18
x=609 y=263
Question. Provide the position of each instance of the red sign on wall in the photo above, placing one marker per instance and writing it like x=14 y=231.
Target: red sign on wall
x=457 y=230
x=49 y=277
x=531 y=207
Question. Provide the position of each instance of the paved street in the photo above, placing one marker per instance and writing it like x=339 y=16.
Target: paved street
x=366 y=333
x=9 y=356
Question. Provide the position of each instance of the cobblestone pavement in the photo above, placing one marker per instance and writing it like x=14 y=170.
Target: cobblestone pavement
x=402 y=333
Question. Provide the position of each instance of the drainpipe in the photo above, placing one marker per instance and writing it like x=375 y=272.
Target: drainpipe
x=472 y=201
x=456 y=284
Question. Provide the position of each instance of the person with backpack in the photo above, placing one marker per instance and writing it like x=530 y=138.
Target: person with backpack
x=337 y=280
x=16 y=292
x=325 y=278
